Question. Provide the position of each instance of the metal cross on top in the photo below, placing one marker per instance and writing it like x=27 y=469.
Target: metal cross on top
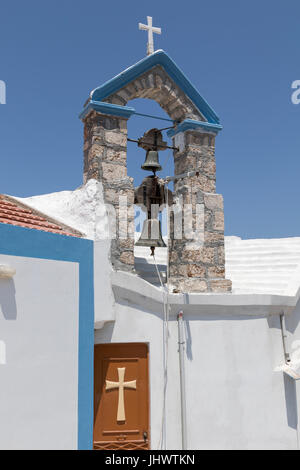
x=120 y=386
x=151 y=29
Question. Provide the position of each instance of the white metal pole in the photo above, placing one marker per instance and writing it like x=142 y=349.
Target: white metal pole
x=181 y=350
x=287 y=357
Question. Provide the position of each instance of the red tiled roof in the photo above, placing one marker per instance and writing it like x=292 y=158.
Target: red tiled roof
x=22 y=216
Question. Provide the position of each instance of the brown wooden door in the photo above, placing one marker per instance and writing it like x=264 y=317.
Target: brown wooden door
x=121 y=396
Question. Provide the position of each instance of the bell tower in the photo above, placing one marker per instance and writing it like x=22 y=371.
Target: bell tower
x=196 y=259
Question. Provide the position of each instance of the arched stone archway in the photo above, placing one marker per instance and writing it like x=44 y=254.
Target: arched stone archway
x=156 y=85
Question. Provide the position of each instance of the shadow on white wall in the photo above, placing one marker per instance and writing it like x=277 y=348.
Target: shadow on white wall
x=8 y=305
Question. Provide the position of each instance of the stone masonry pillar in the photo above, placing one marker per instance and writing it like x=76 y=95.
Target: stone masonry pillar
x=197 y=263
x=105 y=155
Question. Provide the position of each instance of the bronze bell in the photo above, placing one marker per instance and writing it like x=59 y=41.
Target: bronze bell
x=151 y=162
x=151 y=195
x=151 y=234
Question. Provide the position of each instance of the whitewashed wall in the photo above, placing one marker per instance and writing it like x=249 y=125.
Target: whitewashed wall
x=235 y=398
x=39 y=311
x=104 y=299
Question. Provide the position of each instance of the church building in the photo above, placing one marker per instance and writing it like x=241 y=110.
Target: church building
x=113 y=339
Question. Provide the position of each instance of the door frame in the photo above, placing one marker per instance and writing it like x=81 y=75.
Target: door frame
x=145 y=343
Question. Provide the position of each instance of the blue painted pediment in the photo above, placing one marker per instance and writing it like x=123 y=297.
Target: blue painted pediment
x=157 y=58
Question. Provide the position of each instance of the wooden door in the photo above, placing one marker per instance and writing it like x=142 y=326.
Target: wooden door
x=121 y=397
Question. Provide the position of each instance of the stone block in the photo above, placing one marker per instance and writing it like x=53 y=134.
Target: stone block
x=222 y=285
x=118 y=156
x=93 y=174
x=189 y=285
x=127 y=257
x=95 y=151
x=207 y=184
x=209 y=168
x=213 y=238
x=116 y=138
x=221 y=255
x=113 y=172
x=195 y=270
x=173 y=256
x=218 y=222
x=113 y=195
x=126 y=244
x=216 y=272
x=205 y=255
x=213 y=201
x=184 y=163
x=123 y=126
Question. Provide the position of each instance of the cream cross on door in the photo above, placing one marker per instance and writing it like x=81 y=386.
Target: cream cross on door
x=120 y=386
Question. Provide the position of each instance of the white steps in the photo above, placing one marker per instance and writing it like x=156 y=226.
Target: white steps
x=254 y=266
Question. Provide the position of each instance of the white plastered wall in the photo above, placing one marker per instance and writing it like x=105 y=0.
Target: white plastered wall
x=235 y=398
x=104 y=300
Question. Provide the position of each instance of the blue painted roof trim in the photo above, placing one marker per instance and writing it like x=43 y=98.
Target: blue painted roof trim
x=189 y=124
x=107 y=108
x=157 y=58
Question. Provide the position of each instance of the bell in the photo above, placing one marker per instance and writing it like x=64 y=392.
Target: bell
x=151 y=162
x=151 y=234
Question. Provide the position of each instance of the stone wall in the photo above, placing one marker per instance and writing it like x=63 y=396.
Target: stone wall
x=198 y=264
x=105 y=159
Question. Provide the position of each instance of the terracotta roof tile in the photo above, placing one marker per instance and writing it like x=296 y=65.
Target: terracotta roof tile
x=17 y=214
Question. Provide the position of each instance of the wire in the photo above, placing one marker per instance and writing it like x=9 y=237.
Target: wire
x=162 y=439
x=166 y=308
x=154 y=117
x=168 y=231
x=158 y=273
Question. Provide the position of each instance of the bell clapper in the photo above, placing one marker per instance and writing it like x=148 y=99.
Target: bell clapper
x=152 y=248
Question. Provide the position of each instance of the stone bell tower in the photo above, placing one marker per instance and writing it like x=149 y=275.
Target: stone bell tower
x=197 y=262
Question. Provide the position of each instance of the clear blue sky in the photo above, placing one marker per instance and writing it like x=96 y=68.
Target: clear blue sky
x=242 y=57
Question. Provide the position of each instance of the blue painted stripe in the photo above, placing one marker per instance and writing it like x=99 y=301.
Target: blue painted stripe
x=19 y=241
x=158 y=58
x=189 y=124
x=86 y=351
